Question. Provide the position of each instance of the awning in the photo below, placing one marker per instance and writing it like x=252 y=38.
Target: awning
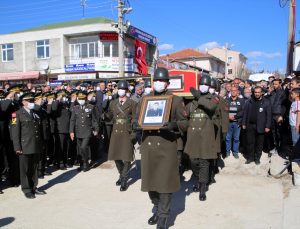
x=19 y=76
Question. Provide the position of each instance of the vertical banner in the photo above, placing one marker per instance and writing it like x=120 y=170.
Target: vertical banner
x=140 y=57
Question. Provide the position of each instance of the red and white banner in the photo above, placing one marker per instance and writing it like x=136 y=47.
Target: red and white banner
x=140 y=57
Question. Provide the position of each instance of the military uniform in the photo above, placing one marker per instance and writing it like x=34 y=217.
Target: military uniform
x=62 y=112
x=27 y=139
x=121 y=142
x=159 y=162
x=201 y=137
x=82 y=123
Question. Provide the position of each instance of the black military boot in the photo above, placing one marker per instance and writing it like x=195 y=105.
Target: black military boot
x=153 y=219
x=85 y=167
x=162 y=223
x=124 y=185
x=202 y=195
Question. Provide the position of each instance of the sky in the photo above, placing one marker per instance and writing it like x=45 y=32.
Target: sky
x=256 y=28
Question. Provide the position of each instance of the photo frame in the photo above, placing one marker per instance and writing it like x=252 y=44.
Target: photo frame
x=155 y=111
x=176 y=83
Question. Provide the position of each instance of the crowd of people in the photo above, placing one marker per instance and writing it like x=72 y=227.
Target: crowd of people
x=79 y=123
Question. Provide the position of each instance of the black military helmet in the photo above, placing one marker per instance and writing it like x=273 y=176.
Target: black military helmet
x=123 y=84
x=213 y=83
x=147 y=82
x=205 y=80
x=161 y=74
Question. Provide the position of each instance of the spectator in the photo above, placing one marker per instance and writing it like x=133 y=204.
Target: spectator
x=235 y=119
x=257 y=121
x=294 y=117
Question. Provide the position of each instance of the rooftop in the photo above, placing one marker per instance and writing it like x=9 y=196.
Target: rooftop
x=85 y=21
x=185 y=53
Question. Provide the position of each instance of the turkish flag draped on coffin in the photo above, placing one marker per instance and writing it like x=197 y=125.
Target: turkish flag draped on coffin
x=140 y=53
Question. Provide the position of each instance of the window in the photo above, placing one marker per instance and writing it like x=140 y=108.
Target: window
x=84 y=50
x=7 y=52
x=110 y=49
x=42 y=49
x=230 y=58
x=229 y=71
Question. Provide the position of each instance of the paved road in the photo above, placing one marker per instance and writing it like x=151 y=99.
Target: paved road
x=244 y=197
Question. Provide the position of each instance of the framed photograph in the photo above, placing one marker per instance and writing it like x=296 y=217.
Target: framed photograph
x=155 y=111
x=176 y=83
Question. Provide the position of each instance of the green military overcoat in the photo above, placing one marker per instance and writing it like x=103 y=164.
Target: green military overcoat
x=121 y=146
x=159 y=163
x=201 y=133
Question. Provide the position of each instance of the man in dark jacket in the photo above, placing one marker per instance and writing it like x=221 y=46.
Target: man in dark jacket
x=257 y=121
x=27 y=140
x=277 y=99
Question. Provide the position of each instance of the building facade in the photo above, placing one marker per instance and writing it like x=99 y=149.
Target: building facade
x=198 y=60
x=82 y=49
x=236 y=61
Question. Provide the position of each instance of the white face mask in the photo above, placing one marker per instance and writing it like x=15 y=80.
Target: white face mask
x=203 y=89
x=212 y=91
x=128 y=95
x=64 y=99
x=110 y=97
x=159 y=86
x=81 y=102
x=121 y=92
x=93 y=99
x=148 y=90
x=98 y=89
x=130 y=88
x=30 y=106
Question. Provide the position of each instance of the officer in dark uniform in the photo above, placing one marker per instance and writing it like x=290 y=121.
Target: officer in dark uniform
x=72 y=150
x=201 y=133
x=61 y=109
x=122 y=111
x=95 y=141
x=83 y=125
x=159 y=162
x=52 y=150
x=27 y=141
x=40 y=108
x=12 y=158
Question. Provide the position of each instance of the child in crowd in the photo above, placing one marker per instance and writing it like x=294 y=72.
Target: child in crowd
x=295 y=114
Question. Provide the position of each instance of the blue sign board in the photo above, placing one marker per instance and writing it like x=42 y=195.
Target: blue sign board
x=141 y=35
x=80 y=67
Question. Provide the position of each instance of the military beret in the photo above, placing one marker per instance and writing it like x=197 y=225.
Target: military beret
x=81 y=95
x=27 y=96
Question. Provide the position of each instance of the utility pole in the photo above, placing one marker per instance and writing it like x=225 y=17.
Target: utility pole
x=83 y=4
x=120 y=38
x=291 y=37
x=226 y=59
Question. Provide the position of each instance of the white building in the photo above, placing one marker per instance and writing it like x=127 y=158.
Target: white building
x=81 y=49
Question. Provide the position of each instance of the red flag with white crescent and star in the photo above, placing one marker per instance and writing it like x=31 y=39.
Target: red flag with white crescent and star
x=140 y=53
